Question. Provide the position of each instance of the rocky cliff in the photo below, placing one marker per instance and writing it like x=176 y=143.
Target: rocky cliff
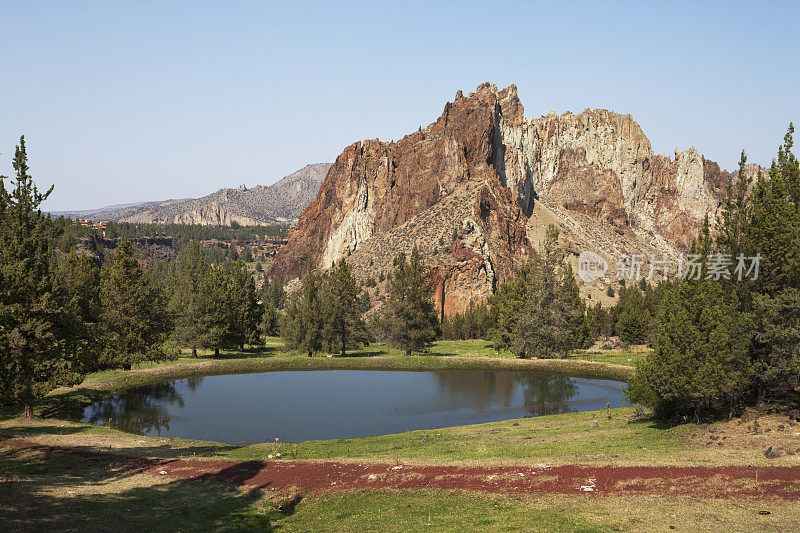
x=478 y=172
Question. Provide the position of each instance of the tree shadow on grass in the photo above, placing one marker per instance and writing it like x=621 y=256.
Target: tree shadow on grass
x=373 y=350
x=184 y=449
x=41 y=492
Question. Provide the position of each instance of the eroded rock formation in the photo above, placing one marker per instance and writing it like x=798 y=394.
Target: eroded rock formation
x=476 y=173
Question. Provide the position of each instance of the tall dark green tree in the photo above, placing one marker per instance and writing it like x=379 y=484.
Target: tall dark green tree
x=76 y=284
x=410 y=314
x=774 y=232
x=633 y=316
x=506 y=305
x=699 y=365
x=302 y=327
x=244 y=306
x=553 y=320
x=133 y=318
x=188 y=301
x=735 y=213
x=217 y=325
x=343 y=306
x=32 y=355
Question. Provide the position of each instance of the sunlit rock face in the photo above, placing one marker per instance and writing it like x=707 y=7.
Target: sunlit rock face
x=462 y=190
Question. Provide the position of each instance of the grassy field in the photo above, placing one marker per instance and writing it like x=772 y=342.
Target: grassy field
x=54 y=492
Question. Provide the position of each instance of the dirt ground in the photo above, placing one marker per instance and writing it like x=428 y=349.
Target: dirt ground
x=778 y=482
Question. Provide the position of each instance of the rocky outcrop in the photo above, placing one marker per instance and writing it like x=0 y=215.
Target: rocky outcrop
x=280 y=203
x=477 y=172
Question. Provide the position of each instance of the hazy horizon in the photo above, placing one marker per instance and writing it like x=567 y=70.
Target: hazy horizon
x=124 y=103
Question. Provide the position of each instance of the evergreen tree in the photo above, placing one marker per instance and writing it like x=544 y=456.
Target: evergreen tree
x=776 y=366
x=343 y=306
x=302 y=328
x=244 y=306
x=735 y=212
x=132 y=315
x=273 y=294
x=76 y=284
x=698 y=367
x=633 y=317
x=505 y=307
x=774 y=228
x=217 y=326
x=188 y=301
x=553 y=319
x=270 y=320
x=32 y=355
x=411 y=316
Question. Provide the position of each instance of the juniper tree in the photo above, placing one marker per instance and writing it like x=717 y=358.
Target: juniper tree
x=302 y=327
x=774 y=232
x=217 y=322
x=343 y=306
x=244 y=306
x=270 y=320
x=32 y=356
x=411 y=316
x=699 y=365
x=132 y=312
x=552 y=322
x=76 y=284
x=188 y=299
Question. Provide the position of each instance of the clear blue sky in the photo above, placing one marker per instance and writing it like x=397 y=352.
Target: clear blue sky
x=133 y=101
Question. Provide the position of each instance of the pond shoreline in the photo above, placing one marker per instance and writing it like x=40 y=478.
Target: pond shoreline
x=68 y=402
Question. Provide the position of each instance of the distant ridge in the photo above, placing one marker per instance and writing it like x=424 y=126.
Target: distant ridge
x=280 y=203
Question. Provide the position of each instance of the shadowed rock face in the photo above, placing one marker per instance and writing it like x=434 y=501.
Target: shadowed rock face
x=476 y=173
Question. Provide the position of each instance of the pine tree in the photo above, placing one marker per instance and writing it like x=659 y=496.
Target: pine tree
x=343 y=306
x=505 y=306
x=411 y=316
x=32 y=356
x=132 y=313
x=698 y=367
x=217 y=325
x=270 y=320
x=244 y=306
x=188 y=301
x=553 y=319
x=777 y=355
x=774 y=228
x=76 y=284
x=735 y=212
x=633 y=317
x=302 y=328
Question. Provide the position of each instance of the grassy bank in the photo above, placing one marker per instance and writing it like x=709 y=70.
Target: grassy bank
x=69 y=402
x=56 y=492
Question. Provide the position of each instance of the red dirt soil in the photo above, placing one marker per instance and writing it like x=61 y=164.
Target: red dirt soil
x=781 y=482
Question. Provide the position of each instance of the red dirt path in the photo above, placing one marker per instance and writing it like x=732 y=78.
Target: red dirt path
x=782 y=482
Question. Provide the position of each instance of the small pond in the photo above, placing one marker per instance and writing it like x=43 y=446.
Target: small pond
x=331 y=404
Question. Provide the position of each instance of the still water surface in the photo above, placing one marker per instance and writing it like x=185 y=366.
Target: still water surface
x=330 y=404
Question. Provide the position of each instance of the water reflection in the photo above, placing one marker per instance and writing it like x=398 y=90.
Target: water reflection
x=543 y=394
x=309 y=405
x=144 y=410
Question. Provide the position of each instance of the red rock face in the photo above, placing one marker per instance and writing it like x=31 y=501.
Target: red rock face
x=476 y=172
x=374 y=186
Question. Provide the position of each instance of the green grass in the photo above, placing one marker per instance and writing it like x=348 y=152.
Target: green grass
x=553 y=439
x=421 y=510
x=69 y=402
x=564 y=439
x=626 y=358
x=46 y=492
